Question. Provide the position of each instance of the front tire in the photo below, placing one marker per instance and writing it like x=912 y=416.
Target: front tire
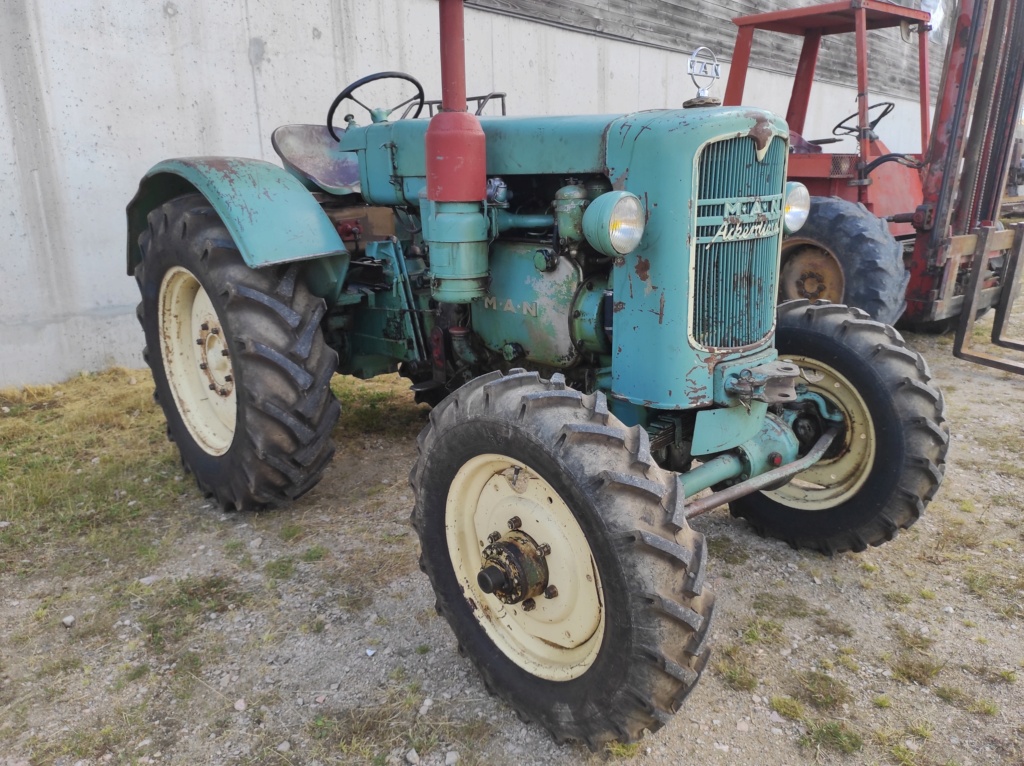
x=889 y=458
x=520 y=462
x=239 y=361
x=844 y=254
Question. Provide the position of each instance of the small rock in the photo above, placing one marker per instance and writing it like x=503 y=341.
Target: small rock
x=947 y=609
x=5 y=410
x=412 y=757
x=335 y=687
x=370 y=652
x=742 y=726
x=68 y=621
x=254 y=544
x=912 y=746
x=144 y=743
x=240 y=705
x=284 y=747
x=149 y=580
x=320 y=699
x=755 y=699
x=776 y=730
x=425 y=707
x=95 y=461
x=132 y=381
x=5 y=524
x=300 y=702
x=451 y=758
x=720 y=746
x=776 y=718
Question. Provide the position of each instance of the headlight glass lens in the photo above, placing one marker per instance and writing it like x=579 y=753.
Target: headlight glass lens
x=798 y=207
x=627 y=225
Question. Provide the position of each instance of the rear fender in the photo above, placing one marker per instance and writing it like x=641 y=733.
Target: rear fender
x=270 y=215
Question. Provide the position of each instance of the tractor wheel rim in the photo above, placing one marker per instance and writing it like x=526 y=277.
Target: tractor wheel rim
x=560 y=636
x=810 y=271
x=196 y=361
x=833 y=480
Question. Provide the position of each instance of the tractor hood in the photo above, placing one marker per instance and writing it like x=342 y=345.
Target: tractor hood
x=393 y=162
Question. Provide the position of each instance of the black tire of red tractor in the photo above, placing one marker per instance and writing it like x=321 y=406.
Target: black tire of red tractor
x=651 y=564
x=281 y=365
x=870 y=257
x=908 y=416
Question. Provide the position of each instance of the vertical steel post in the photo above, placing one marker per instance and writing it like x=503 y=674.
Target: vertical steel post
x=924 y=83
x=796 y=114
x=738 y=68
x=861 y=16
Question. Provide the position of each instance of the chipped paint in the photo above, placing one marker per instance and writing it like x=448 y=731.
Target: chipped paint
x=642 y=268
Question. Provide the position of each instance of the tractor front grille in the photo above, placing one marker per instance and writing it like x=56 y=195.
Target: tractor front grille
x=739 y=225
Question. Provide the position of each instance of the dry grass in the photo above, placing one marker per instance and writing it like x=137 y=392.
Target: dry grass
x=84 y=464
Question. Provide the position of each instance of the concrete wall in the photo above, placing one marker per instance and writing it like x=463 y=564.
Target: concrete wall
x=96 y=92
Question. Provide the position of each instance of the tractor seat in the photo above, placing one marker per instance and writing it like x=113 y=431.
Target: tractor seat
x=800 y=145
x=310 y=152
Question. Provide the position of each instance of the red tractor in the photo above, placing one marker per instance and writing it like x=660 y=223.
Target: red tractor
x=879 y=232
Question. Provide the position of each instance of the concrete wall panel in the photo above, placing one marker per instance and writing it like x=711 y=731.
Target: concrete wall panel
x=95 y=92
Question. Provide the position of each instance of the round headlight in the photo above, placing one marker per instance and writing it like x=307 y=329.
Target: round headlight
x=614 y=223
x=798 y=207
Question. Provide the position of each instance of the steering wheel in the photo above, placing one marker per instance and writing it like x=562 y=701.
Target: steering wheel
x=377 y=115
x=842 y=129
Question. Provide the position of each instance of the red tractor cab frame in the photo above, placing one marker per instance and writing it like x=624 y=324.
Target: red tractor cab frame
x=885 y=183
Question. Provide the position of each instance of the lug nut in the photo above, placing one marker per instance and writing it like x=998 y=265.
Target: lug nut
x=529 y=605
x=228 y=378
x=213 y=386
x=545 y=549
x=515 y=523
x=494 y=537
x=204 y=326
x=214 y=331
x=199 y=341
x=551 y=592
x=223 y=392
x=202 y=365
x=224 y=352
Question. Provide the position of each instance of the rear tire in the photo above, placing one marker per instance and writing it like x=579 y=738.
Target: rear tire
x=844 y=254
x=239 y=361
x=893 y=444
x=624 y=640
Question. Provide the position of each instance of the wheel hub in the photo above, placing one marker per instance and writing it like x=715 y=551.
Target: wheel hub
x=810 y=285
x=513 y=568
x=214 y=360
x=810 y=271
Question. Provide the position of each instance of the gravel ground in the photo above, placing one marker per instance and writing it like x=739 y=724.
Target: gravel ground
x=307 y=635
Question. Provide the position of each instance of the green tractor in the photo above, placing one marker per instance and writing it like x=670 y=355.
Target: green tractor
x=588 y=303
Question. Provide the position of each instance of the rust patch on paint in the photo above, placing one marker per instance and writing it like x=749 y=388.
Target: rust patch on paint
x=618 y=306
x=642 y=268
x=761 y=132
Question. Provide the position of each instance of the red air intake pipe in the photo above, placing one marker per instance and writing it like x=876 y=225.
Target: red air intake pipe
x=455 y=145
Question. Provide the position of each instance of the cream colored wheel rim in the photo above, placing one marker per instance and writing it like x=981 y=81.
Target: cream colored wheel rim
x=834 y=480
x=810 y=271
x=196 y=361
x=559 y=639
